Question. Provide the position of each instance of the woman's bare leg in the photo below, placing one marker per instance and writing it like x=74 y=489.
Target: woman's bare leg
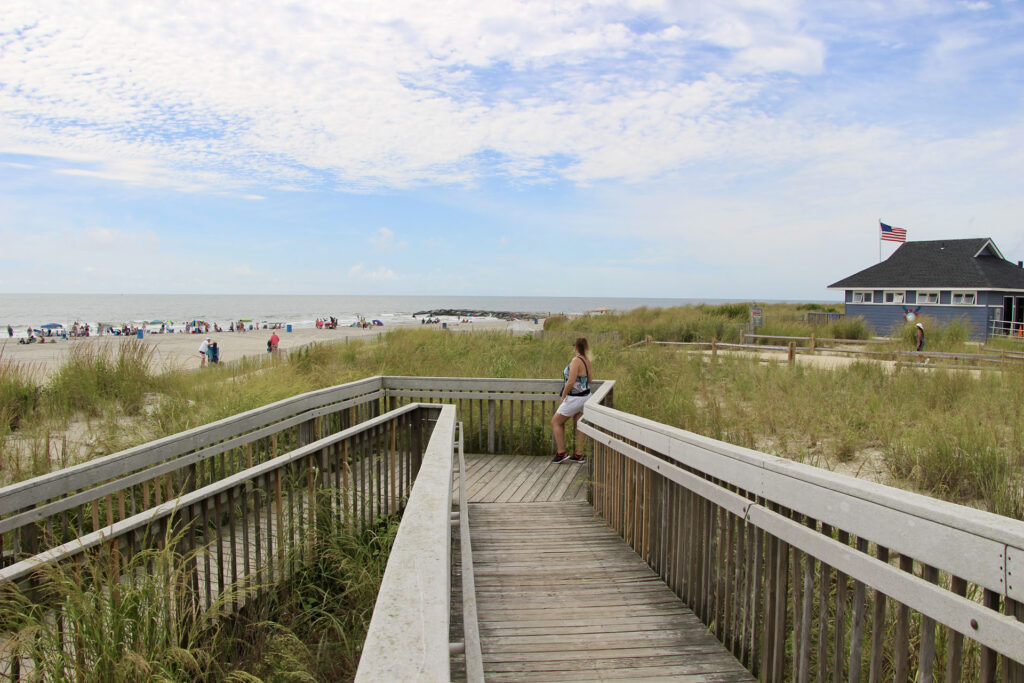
x=580 y=438
x=558 y=429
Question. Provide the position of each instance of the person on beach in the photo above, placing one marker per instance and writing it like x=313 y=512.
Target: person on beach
x=272 y=344
x=919 y=342
x=10 y=331
x=202 y=352
x=577 y=375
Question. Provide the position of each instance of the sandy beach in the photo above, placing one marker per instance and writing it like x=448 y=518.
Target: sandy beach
x=182 y=350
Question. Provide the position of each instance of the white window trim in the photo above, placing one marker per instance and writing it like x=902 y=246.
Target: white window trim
x=901 y=293
x=921 y=293
x=954 y=294
x=862 y=292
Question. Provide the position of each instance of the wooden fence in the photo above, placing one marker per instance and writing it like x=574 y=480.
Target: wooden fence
x=808 y=575
x=251 y=529
x=509 y=416
x=45 y=511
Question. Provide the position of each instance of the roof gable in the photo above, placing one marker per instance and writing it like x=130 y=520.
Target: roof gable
x=974 y=263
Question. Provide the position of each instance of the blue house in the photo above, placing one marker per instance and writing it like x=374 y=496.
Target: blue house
x=945 y=280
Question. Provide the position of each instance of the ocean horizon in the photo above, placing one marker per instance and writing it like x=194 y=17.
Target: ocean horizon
x=299 y=310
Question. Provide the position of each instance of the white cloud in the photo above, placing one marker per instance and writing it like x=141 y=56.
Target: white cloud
x=384 y=240
x=381 y=94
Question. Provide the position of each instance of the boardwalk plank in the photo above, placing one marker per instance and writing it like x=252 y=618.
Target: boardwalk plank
x=561 y=597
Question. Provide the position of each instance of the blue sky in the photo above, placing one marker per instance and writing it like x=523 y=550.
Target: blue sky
x=735 y=149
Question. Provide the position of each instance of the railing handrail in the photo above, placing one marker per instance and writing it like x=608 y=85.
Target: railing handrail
x=61 y=482
x=989 y=547
x=29 y=492
x=408 y=635
x=24 y=568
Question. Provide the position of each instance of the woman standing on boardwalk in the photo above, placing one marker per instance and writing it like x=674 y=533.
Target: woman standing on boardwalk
x=577 y=374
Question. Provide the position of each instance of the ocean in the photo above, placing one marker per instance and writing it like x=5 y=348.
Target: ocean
x=22 y=310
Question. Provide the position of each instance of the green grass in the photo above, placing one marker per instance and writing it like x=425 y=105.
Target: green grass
x=926 y=426
x=147 y=627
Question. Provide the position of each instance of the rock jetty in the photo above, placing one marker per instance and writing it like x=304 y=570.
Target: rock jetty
x=467 y=313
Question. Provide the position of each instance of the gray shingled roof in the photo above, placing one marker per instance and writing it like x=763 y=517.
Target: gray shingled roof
x=944 y=264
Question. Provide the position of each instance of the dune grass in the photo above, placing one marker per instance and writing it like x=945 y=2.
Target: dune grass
x=126 y=619
x=928 y=427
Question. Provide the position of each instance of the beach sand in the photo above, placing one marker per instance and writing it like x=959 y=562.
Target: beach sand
x=182 y=350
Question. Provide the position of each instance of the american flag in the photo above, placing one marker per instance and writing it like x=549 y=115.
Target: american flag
x=891 y=234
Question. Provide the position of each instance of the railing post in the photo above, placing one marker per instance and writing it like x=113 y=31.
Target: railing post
x=792 y=352
x=813 y=345
x=490 y=425
x=743 y=336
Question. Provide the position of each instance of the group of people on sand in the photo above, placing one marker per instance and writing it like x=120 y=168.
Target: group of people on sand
x=328 y=323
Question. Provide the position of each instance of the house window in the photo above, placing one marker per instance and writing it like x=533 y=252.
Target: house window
x=964 y=298
x=927 y=297
x=862 y=297
x=894 y=297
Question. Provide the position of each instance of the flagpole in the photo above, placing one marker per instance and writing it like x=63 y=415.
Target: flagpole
x=879 y=240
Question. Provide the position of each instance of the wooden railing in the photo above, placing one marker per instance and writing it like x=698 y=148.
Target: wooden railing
x=253 y=528
x=808 y=575
x=499 y=415
x=408 y=637
x=46 y=511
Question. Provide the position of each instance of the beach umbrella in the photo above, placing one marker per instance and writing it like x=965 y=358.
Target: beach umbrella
x=51 y=326
x=155 y=322
x=245 y=320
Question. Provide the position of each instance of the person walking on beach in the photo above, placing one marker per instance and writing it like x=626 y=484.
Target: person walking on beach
x=272 y=344
x=202 y=352
x=577 y=375
x=10 y=331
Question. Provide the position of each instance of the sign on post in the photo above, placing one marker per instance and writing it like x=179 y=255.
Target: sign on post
x=756 y=317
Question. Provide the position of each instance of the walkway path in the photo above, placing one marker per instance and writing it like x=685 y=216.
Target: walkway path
x=561 y=597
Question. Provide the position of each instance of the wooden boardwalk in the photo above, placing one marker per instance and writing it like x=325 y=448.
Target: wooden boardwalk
x=561 y=597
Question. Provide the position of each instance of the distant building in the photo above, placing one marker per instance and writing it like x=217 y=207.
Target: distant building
x=945 y=280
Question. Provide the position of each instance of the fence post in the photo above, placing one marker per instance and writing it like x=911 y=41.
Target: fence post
x=490 y=425
x=743 y=336
x=714 y=347
x=813 y=343
x=792 y=352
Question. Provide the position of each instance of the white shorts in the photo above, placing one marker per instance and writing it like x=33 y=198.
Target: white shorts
x=572 y=405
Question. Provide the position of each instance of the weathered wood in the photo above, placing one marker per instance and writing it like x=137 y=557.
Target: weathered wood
x=558 y=600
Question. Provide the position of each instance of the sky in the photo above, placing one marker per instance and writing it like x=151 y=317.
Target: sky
x=741 y=149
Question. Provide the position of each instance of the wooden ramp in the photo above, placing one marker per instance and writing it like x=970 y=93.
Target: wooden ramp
x=561 y=597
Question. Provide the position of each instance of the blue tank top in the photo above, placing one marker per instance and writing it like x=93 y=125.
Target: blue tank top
x=581 y=387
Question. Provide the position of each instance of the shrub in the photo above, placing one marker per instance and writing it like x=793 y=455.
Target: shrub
x=19 y=395
x=851 y=328
x=95 y=375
